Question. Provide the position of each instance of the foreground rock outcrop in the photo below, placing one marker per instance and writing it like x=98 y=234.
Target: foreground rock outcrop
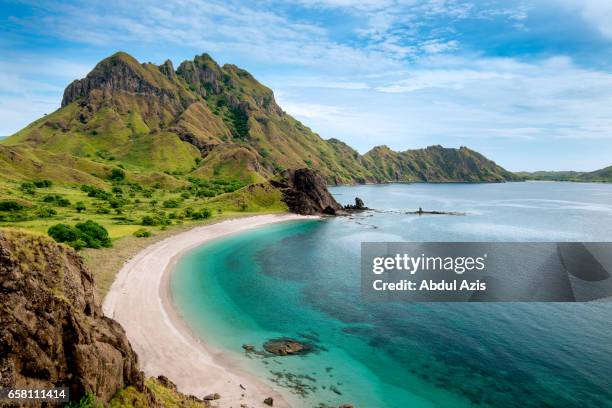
x=305 y=192
x=53 y=331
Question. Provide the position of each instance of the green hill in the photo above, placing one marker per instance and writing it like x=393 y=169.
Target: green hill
x=205 y=121
x=603 y=175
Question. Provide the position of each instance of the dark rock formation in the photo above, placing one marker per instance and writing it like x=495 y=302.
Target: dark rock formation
x=358 y=206
x=269 y=401
x=53 y=331
x=420 y=211
x=286 y=347
x=305 y=192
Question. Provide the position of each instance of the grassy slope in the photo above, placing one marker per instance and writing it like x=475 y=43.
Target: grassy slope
x=603 y=175
x=434 y=164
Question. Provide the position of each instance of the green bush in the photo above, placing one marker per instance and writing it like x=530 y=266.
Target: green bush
x=63 y=233
x=142 y=233
x=117 y=175
x=62 y=202
x=202 y=214
x=95 y=192
x=94 y=234
x=148 y=220
x=10 y=205
x=45 y=212
x=171 y=204
x=86 y=234
x=28 y=188
x=80 y=206
x=58 y=200
x=43 y=183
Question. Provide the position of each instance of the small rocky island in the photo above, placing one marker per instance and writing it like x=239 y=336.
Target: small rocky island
x=286 y=347
x=420 y=211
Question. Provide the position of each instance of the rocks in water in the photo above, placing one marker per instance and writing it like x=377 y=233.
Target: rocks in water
x=346 y=406
x=305 y=192
x=269 y=401
x=420 y=211
x=286 y=347
x=54 y=333
x=212 y=397
x=248 y=347
x=358 y=206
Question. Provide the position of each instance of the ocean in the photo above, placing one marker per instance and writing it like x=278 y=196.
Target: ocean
x=302 y=280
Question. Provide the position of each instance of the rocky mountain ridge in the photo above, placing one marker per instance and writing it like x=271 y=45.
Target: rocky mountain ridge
x=205 y=120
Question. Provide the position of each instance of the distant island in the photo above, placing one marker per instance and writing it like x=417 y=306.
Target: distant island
x=603 y=175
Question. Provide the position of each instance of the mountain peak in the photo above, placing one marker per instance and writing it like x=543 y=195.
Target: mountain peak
x=119 y=72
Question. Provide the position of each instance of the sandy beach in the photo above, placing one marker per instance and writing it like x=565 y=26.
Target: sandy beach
x=140 y=300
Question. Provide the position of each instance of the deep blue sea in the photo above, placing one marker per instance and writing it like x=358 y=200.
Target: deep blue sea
x=301 y=279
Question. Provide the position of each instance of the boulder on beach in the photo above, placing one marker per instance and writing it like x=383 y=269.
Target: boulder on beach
x=269 y=401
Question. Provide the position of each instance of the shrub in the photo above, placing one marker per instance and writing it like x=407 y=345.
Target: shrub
x=62 y=202
x=142 y=233
x=10 y=205
x=202 y=214
x=117 y=175
x=148 y=220
x=171 y=204
x=94 y=234
x=28 y=188
x=45 y=212
x=63 y=233
x=43 y=183
x=103 y=210
x=80 y=206
x=95 y=192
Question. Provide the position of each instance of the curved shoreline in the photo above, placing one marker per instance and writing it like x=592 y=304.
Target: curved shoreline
x=140 y=300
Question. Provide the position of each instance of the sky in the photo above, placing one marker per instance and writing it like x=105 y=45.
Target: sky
x=527 y=83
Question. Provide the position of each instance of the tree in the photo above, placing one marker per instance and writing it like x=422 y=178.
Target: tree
x=63 y=233
x=94 y=234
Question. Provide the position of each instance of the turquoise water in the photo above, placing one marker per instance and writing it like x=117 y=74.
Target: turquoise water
x=301 y=279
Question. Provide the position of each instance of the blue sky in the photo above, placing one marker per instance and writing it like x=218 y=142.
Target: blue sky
x=527 y=83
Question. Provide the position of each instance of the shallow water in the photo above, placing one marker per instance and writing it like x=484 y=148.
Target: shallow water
x=301 y=279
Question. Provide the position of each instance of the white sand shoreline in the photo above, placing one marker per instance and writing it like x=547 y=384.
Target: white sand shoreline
x=140 y=300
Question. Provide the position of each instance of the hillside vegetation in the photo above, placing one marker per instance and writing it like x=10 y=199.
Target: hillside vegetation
x=603 y=175
x=139 y=146
x=206 y=121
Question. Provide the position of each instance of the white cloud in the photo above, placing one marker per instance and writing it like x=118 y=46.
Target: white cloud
x=597 y=12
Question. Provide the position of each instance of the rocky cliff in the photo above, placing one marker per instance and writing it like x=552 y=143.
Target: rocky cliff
x=53 y=331
x=304 y=191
